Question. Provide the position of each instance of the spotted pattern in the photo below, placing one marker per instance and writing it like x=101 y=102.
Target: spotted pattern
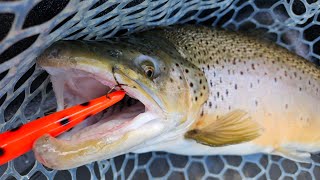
x=231 y=64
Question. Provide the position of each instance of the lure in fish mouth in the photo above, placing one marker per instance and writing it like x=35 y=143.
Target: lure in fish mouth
x=155 y=84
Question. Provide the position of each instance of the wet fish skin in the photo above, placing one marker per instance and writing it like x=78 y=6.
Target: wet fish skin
x=276 y=88
x=219 y=92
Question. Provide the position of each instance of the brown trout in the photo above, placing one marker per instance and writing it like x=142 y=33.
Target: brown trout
x=190 y=90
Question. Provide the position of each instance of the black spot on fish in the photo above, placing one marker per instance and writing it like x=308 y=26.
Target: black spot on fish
x=196 y=98
x=187 y=70
x=1 y=151
x=191 y=84
x=234 y=62
x=64 y=121
x=16 y=128
x=180 y=77
x=210 y=104
x=235 y=86
x=85 y=104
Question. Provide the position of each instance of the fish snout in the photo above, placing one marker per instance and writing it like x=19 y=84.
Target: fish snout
x=45 y=153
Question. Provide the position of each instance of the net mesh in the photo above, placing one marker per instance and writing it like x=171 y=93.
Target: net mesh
x=28 y=27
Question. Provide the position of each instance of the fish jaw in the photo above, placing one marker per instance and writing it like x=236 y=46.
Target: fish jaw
x=105 y=139
x=57 y=154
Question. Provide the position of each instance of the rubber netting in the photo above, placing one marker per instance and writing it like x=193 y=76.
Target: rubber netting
x=28 y=27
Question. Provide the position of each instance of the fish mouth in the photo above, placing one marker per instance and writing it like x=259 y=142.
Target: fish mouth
x=76 y=85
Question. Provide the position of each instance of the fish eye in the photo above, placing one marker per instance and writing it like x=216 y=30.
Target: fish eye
x=148 y=65
x=148 y=70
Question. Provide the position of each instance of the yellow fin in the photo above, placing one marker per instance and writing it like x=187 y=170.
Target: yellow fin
x=233 y=128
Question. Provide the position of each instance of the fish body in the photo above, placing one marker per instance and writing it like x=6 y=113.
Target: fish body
x=207 y=92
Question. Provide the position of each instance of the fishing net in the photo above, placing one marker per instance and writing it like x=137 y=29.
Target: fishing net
x=28 y=27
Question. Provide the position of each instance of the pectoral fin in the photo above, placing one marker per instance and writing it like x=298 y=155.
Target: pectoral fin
x=233 y=128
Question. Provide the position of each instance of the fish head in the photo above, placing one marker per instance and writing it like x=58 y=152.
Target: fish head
x=168 y=91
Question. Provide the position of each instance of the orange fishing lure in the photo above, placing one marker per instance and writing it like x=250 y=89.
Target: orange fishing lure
x=19 y=140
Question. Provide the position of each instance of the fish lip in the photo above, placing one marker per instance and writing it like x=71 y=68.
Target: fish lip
x=154 y=98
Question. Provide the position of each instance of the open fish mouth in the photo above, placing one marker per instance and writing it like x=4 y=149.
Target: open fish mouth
x=80 y=72
x=75 y=86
